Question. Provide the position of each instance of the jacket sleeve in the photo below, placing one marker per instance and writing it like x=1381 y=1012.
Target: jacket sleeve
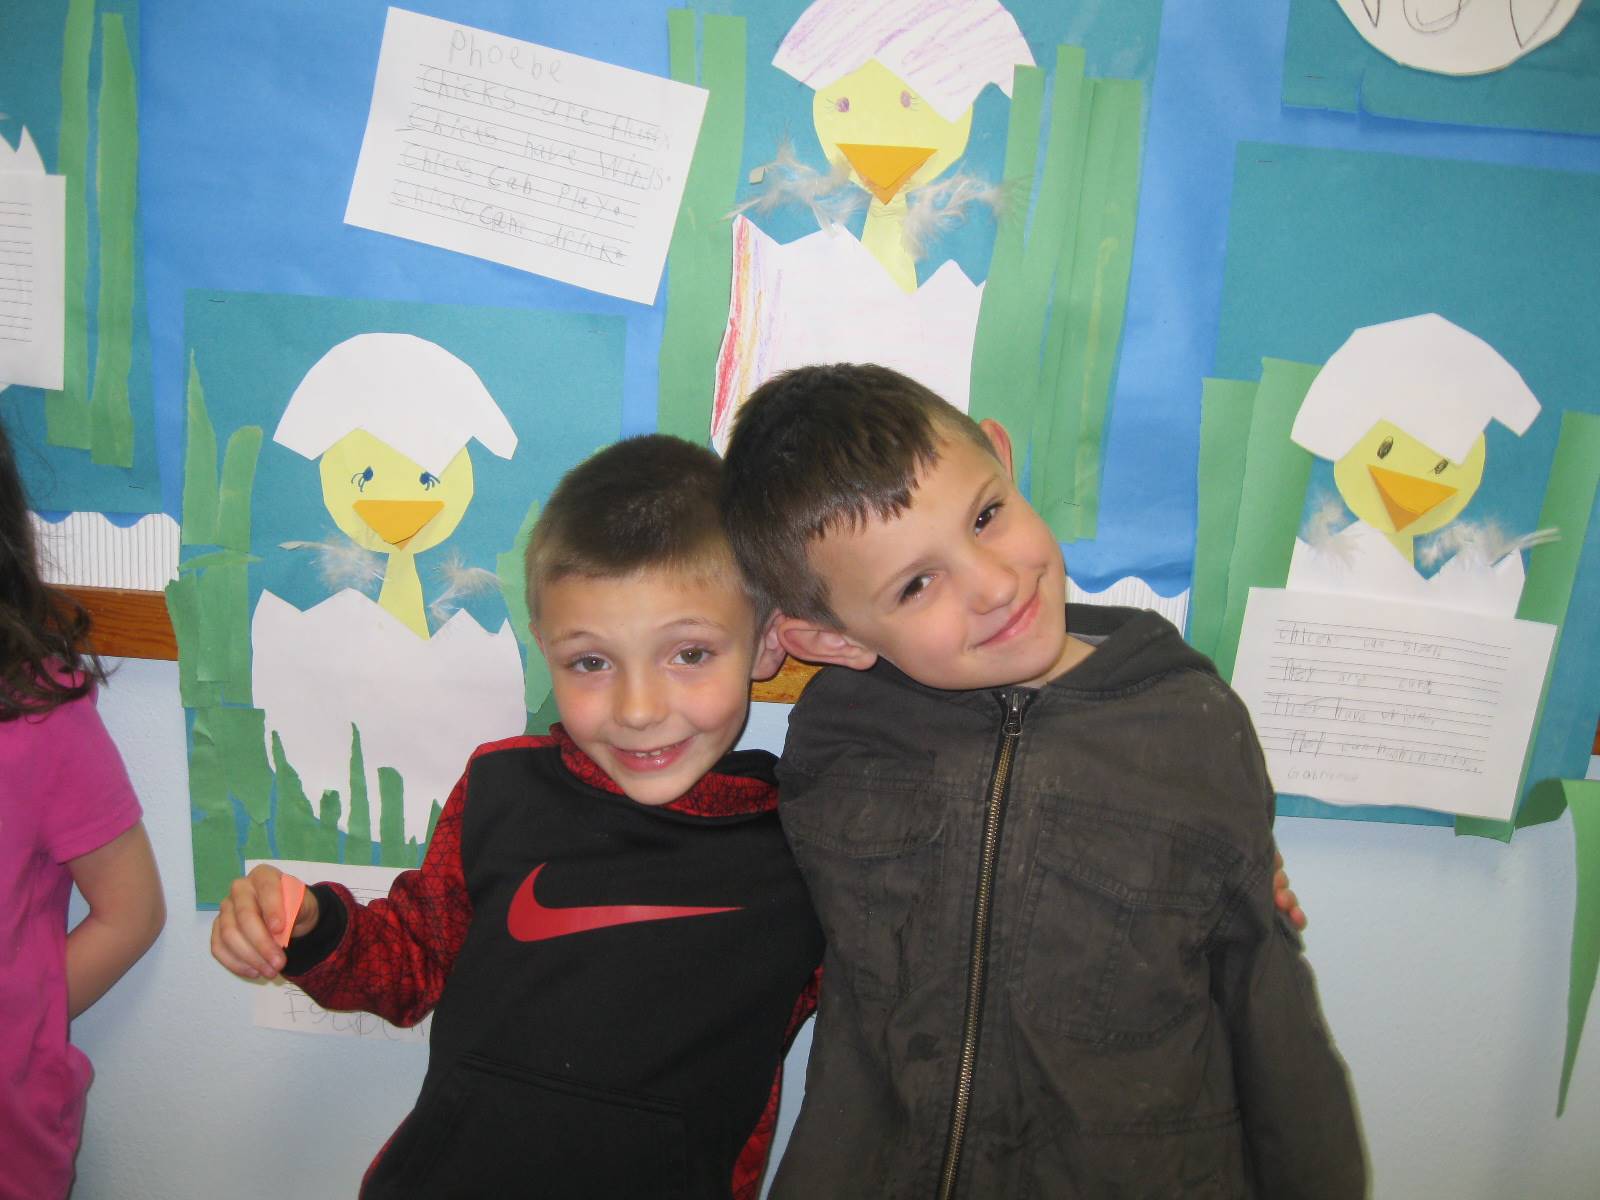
x=392 y=956
x=1294 y=1094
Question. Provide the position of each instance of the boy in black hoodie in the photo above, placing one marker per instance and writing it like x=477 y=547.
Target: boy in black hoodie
x=608 y=926
x=1043 y=859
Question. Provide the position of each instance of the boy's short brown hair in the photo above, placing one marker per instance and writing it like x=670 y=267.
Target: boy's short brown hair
x=822 y=448
x=648 y=501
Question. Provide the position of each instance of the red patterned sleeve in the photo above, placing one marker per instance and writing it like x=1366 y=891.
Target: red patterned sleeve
x=392 y=956
x=751 y=1165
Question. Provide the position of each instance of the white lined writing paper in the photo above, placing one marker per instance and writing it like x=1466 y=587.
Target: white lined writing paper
x=32 y=278
x=525 y=155
x=1366 y=701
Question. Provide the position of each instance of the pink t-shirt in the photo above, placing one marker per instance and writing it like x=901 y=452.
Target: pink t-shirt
x=63 y=793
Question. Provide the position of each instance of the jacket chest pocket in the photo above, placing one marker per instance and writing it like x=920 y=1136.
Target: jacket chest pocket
x=873 y=861
x=1115 y=918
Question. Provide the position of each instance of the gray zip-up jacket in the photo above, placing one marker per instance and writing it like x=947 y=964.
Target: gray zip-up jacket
x=1054 y=968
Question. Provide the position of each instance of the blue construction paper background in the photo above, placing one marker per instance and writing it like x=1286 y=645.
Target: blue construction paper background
x=1218 y=82
x=1119 y=40
x=1328 y=64
x=1325 y=241
x=60 y=479
x=556 y=376
x=254 y=114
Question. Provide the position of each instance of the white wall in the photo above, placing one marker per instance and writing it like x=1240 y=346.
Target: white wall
x=1443 y=965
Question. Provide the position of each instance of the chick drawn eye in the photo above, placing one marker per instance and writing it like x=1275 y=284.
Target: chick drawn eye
x=428 y=480
x=842 y=104
x=1438 y=468
x=1388 y=445
x=907 y=100
x=361 y=479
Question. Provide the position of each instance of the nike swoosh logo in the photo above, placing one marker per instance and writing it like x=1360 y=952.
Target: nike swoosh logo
x=530 y=921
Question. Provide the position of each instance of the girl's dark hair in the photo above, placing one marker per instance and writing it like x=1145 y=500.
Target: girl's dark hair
x=45 y=659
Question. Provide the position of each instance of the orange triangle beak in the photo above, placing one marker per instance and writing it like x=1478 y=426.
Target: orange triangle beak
x=398 y=521
x=1407 y=497
x=885 y=169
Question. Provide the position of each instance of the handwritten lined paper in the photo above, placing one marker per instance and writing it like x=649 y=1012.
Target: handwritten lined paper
x=524 y=155
x=32 y=278
x=1365 y=701
x=279 y=1004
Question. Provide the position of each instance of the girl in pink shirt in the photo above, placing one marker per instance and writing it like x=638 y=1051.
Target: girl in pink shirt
x=67 y=816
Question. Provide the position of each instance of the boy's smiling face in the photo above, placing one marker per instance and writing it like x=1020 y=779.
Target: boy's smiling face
x=652 y=671
x=963 y=590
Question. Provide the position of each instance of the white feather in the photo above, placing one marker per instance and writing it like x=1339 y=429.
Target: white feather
x=341 y=563
x=1479 y=543
x=830 y=196
x=939 y=207
x=461 y=581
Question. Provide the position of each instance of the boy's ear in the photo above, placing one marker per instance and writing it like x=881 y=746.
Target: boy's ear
x=818 y=644
x=1000 y=440
x=769 y=652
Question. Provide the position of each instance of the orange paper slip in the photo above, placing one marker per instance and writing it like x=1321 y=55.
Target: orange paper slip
x=294 y=891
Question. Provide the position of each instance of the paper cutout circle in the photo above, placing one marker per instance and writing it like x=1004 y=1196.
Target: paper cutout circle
x=1458 y=37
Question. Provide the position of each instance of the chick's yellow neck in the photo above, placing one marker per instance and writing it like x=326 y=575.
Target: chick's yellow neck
x=884 y=237
x=401 y=594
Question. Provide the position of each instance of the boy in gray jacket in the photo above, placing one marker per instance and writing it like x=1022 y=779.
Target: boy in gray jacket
x=1040 y=848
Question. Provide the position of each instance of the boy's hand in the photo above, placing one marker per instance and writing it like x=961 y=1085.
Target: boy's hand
x=244 y=937
x=1284 y=898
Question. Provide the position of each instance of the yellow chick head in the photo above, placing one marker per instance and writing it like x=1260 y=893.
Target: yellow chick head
x=1398 y=485
x=385 y=501
x=891 y=137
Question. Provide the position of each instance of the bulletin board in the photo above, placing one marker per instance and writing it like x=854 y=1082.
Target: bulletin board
x=1141 y=267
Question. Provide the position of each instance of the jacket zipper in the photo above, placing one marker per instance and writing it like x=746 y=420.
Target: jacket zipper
x=982 y=907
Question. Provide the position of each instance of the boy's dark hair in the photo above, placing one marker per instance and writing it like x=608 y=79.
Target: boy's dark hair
x=649 y=501
x=45 y=660
x=822 y=448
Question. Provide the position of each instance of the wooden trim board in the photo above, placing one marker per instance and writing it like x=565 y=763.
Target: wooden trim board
x=127 y=624
x=785 y=687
